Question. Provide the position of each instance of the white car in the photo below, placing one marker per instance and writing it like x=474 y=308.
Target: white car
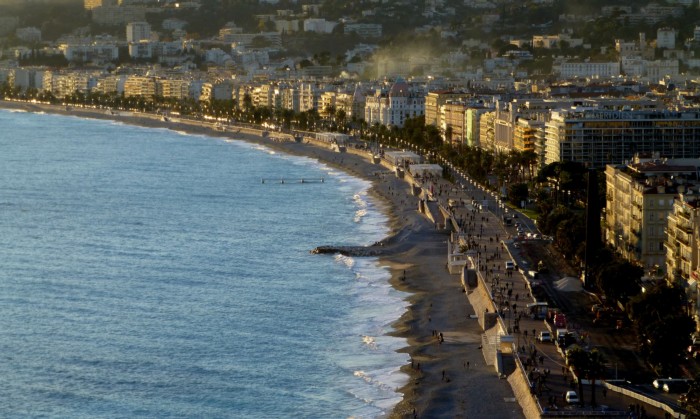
x=510 y=265
x=571 y=397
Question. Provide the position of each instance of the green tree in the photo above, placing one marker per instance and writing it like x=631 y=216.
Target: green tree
x=691 y=400
x=579 y=361
x=596 y=370
x=663 y=325
x=517 y=192
x=618 y=279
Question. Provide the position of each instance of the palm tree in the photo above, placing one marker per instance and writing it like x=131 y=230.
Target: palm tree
x=596 y=369
x=578 y=359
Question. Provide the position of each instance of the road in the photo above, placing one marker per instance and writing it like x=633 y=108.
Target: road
x=517 y=289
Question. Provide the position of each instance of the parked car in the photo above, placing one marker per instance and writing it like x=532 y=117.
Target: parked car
x=571 y=397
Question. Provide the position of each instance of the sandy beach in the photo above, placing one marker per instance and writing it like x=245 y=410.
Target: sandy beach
x=447 y=377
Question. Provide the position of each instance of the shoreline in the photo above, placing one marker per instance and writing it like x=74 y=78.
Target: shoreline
x=415 y=253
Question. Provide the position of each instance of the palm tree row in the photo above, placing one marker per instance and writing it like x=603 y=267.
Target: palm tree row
x=507 y=168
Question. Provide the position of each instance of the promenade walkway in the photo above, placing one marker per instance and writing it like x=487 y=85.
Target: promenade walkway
x=478 y=216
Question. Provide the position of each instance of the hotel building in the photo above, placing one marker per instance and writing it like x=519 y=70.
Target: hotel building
x=597 y=137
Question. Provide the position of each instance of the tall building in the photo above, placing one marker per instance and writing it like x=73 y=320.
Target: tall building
x=453 y=121
x=640 y=196
x=683 y=247
x=435 y=99
x=140 y=86
x=526 y=134
x=597 y=137
x=138 y=31
x=473 y=124
x=683 y=240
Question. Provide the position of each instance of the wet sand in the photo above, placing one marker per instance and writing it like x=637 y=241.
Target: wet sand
x=447 y=377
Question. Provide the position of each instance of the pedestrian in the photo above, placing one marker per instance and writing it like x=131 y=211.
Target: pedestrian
x=467 y=364
x=605 y=392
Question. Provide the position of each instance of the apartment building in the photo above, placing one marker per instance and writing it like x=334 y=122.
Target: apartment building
x=683 y=239
x=140 y=86
x=472 y=116
x=112 y=84
x=218 y=90
x=274 y=39
x=640 y=197
x=62 y=84
x=138 y=31
x=26 y=77
x=666 y=38
x=436 y=99
x=527 y=133
x=364 y=30
x=589 y=69
x=486 y=130
x=453 y=122
x=598 y=136
x=90 y=52
x=29 y=34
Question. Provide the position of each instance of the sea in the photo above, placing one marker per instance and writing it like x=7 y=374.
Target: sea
x=151 y=273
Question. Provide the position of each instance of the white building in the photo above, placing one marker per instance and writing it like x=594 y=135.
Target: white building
x=91 y=52
x=138 y=31
x=364 y=30
x=141 y=50
x=319 y=25
x=394 y=107
x=666 y=38
x=589 y=69
x=29 y=34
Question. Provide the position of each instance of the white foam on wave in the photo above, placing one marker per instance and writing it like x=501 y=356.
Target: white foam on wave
x=373 y=359
x=370 y=342
x=359 y=214
x=384 y=381
x=345 y=260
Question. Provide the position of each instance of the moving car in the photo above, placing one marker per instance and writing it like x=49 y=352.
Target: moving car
x=544 y=336
x=510 y=265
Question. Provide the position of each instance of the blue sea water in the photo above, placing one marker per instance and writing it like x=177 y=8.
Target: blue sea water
x=148 y=273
